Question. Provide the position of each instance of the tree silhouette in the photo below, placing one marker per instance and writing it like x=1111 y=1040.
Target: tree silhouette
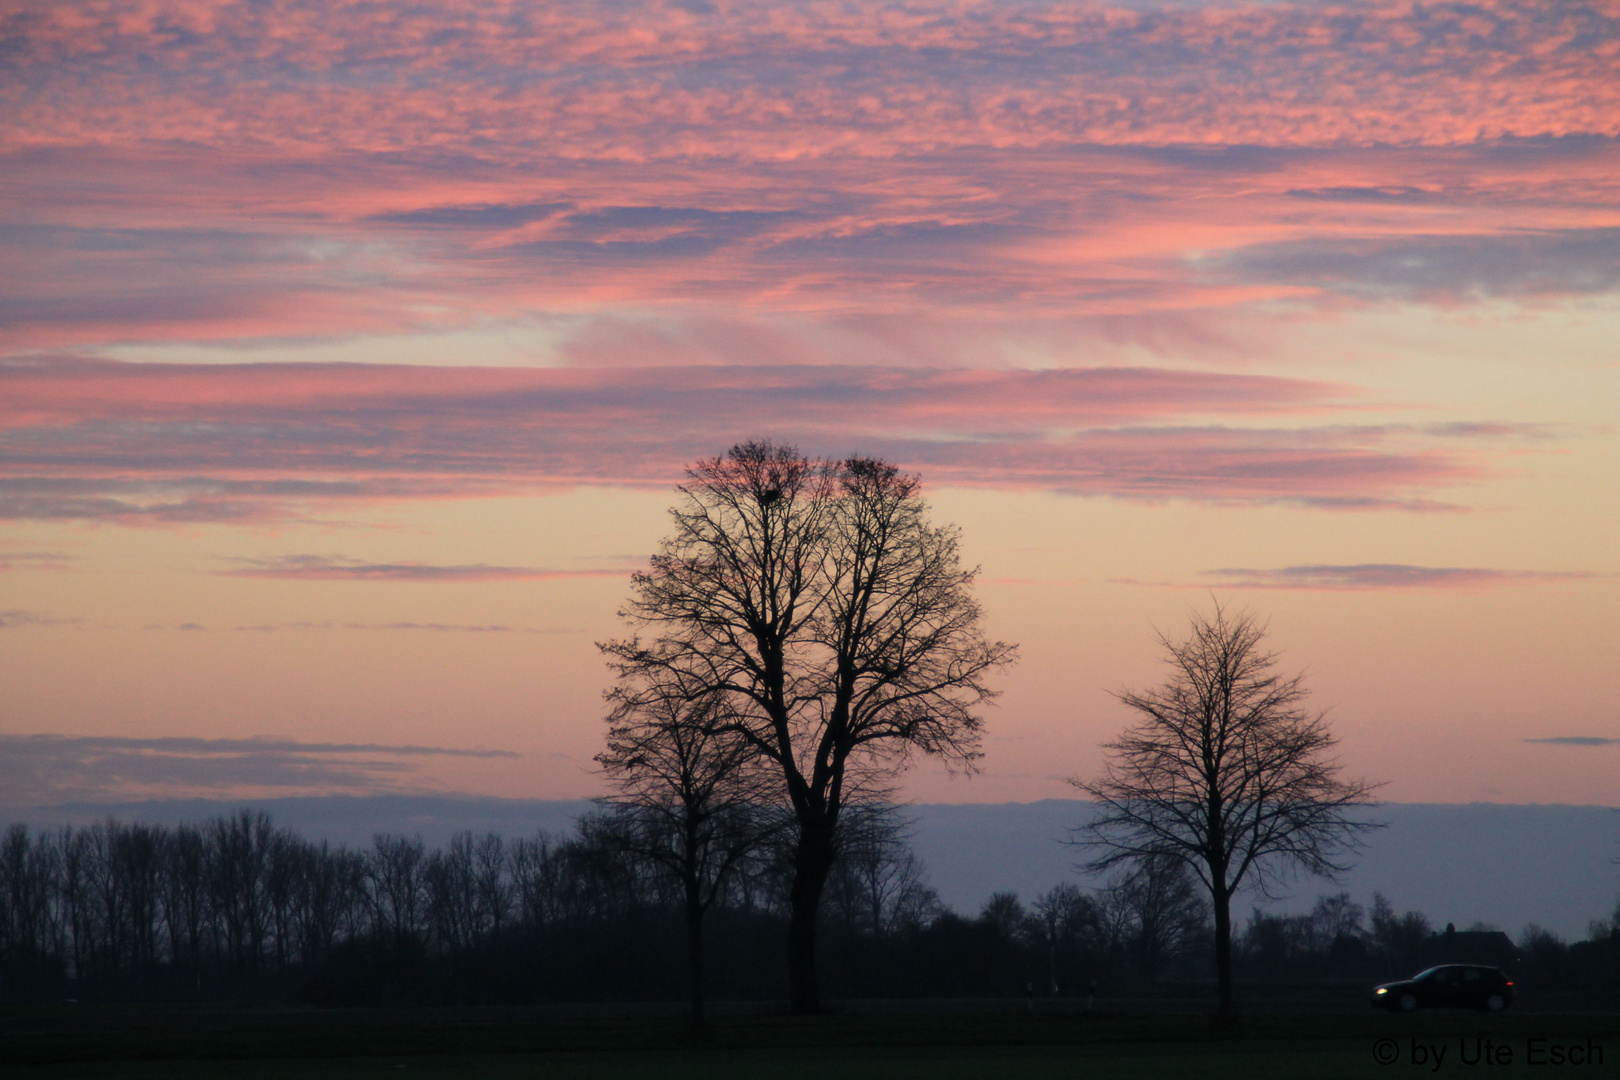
x=834 y=624
x=691 y=799
x=1225 y=772
x=1154 y=910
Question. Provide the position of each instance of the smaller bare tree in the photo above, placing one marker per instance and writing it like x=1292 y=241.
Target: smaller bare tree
x=878 y=883
x=691 y=799
x=1154 y=911
x=1225 y=772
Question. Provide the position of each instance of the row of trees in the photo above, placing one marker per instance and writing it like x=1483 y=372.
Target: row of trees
x=236 y=898
x=236 y=906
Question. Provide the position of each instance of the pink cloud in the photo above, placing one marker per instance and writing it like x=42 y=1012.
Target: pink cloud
x=173 y=443
x=782 y=82
x=298 y=170
x=46 y=392
x=886 y=205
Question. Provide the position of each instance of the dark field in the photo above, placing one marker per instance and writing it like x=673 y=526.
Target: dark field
x=62 y=1042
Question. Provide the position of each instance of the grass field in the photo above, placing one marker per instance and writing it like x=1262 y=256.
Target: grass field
x=317 y=1046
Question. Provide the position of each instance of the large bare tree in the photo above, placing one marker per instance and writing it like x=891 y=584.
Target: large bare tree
x=835 y=624
x=1227 y=772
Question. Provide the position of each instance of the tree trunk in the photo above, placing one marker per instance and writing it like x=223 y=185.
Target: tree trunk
x=1223 y=952
x=812 y=861
x=694 y=952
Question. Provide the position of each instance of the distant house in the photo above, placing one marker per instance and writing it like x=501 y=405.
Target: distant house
x=1453 y=946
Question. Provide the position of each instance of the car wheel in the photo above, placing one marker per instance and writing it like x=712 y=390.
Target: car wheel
x=1409 y=1002
x=1495 y=1003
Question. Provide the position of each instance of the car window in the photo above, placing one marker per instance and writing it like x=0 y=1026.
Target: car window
x=1473 y=975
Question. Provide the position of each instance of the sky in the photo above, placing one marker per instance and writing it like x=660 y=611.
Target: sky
x=350 y=353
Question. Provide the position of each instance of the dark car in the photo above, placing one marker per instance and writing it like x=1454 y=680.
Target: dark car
x=1449 y=986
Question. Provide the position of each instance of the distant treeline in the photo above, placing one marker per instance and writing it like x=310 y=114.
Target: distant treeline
x=237 y=907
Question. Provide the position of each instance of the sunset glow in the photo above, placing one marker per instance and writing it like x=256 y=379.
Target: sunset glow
x=350 y=352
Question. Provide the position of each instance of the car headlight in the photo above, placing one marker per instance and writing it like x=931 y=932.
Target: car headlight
x=1380 y=990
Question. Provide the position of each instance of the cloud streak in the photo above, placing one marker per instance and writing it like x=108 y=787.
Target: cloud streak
x=163 y=444
x=1516 y=264
x=16 y=618
x=46 y=768
x=338 y=568
x=1576 y=740
x=34 y=560
x=431 y=627
x=1383 y=576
